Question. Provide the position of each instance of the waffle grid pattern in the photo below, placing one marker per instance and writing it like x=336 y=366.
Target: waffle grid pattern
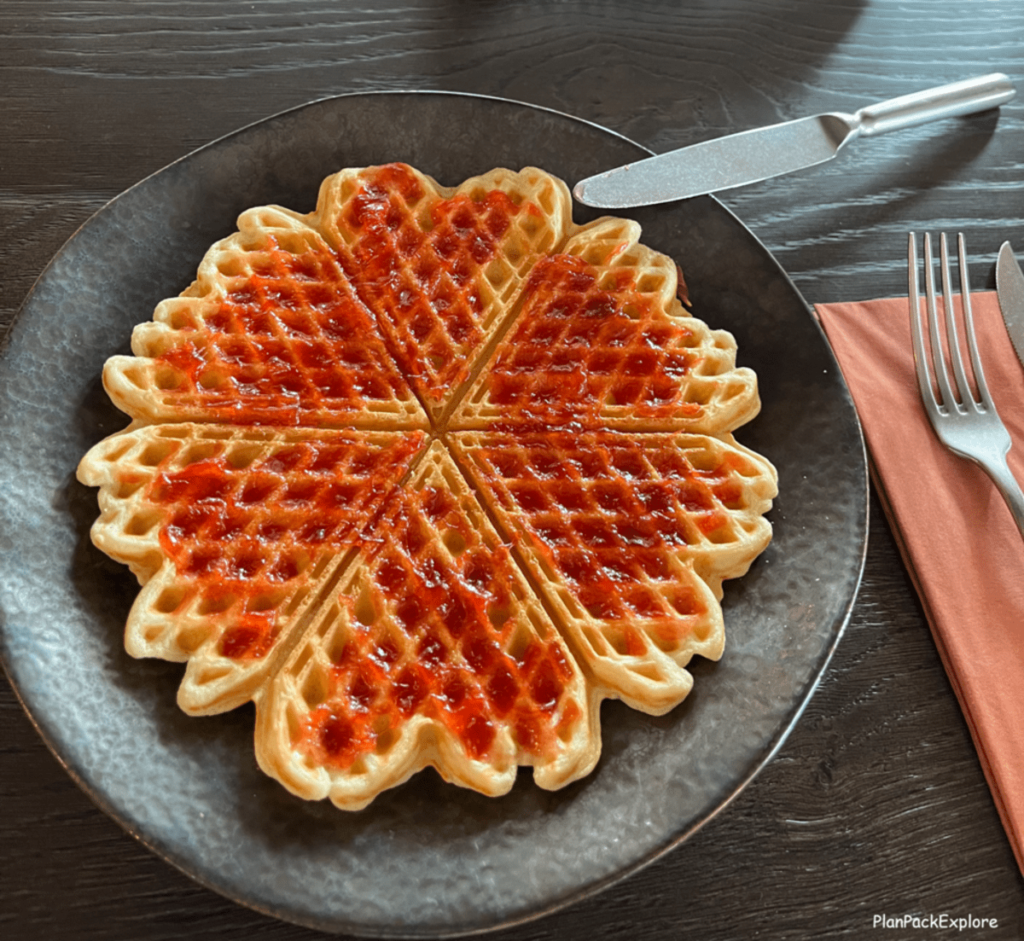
x=433 y=650
x=603 y=342
x=439 y=267
x=270 y=333
x=467 y=604
x=232 y=532
x=630 y=538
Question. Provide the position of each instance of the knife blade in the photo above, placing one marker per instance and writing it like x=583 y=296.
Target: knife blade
x=755 y=155
x=1010 y=291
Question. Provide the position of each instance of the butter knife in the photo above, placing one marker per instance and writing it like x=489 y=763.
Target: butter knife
x=752 y=156
x=1010 y=290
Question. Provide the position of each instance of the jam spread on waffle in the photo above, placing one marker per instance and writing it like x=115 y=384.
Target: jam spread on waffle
x=288 y=343
x=463 y=596
x=432 y=637
x=609 y=512
x=583 y=343
x=418 y=267
x=240 y=537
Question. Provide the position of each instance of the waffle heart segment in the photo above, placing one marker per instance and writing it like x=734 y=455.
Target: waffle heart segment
x=233 y=533
x=433 y=651
x=440 y=267
x=270 y=333
x=629 y=538
x=602 y=341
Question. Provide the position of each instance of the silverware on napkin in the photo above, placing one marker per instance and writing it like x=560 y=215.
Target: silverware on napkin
x=752 y=156
x=968 y=425
x=1010 y=290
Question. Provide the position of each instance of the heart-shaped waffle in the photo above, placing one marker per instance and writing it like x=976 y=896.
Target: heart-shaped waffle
x=602 y=341
x=427 y=474
x=630 y=538
x=434 y=650
x=441 y=268
x=233 y=533
x=270 y=333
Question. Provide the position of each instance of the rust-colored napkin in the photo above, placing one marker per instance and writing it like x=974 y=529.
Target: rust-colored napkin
x=958 y=539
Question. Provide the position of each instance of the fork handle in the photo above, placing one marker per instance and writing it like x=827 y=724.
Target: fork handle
x=1001 y=476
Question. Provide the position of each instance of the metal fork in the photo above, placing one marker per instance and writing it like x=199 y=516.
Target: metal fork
x=969 y=426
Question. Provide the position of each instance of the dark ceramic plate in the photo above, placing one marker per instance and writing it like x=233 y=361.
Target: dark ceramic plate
x=425 y=859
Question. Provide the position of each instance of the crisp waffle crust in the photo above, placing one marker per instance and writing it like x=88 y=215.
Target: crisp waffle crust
x=427 y=474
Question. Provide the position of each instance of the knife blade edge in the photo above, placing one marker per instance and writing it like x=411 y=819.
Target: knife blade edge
x=720 y=163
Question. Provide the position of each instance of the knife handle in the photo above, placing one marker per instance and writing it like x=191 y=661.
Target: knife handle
x=946 y=101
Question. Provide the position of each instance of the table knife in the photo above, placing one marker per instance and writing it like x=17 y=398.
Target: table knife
x=752 y=156
x=1010 y=290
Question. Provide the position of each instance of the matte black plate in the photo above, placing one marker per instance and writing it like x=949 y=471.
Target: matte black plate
x=425 y=859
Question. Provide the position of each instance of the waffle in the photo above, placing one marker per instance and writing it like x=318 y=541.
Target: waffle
x=630 y=538
x=602 y=341
x=427 y=474
x=270 y=333
x=433 y=651
x=440 y=267
x=232 y=532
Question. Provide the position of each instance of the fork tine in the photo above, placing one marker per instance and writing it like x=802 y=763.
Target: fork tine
x=969 y=332
x=953 y=339
x=924 y=378
x=948 y=400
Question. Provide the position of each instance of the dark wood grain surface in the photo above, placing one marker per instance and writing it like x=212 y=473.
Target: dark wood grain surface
x=876 y=803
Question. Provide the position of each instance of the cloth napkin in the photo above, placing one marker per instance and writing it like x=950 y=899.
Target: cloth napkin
x=958 y=539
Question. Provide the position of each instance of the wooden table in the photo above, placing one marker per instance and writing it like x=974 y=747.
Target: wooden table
x=876 y=804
